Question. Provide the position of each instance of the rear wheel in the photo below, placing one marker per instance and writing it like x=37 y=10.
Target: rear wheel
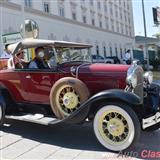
x=116 y=127
x=2 y=114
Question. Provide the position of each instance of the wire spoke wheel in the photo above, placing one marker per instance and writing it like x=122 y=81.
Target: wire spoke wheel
x=66 y=96
x=114 y=127
x=67 y=99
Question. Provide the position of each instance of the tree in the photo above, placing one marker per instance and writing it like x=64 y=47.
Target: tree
x=157 y=35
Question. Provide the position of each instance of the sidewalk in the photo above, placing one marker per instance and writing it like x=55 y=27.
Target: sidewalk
x=22 y=140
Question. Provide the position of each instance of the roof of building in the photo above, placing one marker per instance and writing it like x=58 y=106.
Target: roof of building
x=141 y=39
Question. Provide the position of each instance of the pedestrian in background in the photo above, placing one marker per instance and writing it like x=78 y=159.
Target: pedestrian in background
x=127 y=57
x=6 y=53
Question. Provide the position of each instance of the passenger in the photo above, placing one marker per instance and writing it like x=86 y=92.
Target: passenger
x=59 y=56
x=38 y=62
x=50 y=58
x=17 y=61
x=6 y=53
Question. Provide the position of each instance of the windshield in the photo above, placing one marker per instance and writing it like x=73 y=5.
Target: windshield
x=65 y=55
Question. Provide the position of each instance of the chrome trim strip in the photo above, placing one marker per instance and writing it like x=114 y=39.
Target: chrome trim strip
x=151 y=121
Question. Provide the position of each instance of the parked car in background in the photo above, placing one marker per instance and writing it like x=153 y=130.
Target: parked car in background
x=120 y=100
x=112 y=60
x=98 y=59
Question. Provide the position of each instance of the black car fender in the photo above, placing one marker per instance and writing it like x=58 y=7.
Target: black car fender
x=108 y=96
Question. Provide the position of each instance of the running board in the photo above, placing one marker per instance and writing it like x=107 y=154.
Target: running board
x=34 y=118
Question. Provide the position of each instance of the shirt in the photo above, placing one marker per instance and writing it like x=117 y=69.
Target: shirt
x=33 y=65
x=127 y=56
x=6 y=55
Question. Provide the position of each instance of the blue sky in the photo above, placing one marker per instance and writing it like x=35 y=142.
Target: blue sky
x=138 y=19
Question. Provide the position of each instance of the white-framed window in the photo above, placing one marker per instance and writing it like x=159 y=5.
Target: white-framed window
x=106 y=22
x=74 y=16
x=84 y=19
x=97 y=50
x=112 y=25
x=111 y=9
x=100 y=24
x=61 y=11
x=116 y=51
x=104 y=51
x=105 y=8
x=93 y=22
x=110 y=50
x=99 y=5
x=117 y=25
x=91 y=2
x=28 y=3
x=46 y=7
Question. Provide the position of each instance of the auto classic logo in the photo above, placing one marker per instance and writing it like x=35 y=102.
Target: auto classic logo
x=131 y=155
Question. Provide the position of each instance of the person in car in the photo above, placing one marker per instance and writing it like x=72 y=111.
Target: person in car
x=50 y=58
x=6 y=53
x=39 y=61
x=17 y=61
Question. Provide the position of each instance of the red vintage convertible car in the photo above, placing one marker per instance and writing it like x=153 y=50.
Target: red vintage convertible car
x=120 y=100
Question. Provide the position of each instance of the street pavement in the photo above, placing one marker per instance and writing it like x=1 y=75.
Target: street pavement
x=22 y=140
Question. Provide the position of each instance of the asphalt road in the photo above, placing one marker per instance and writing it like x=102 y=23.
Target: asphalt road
x=22 y=140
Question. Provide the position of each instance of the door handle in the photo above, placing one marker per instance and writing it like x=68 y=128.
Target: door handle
x=28 y=76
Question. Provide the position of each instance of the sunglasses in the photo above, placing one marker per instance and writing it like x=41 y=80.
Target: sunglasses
x=20 y=53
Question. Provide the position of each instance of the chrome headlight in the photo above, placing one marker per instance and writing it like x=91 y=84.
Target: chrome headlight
x=148 y=77
x=131 y=80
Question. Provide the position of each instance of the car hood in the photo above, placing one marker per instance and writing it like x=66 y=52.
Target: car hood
x=101 y=67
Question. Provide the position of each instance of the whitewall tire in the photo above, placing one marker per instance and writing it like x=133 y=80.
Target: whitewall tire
x=116 y=126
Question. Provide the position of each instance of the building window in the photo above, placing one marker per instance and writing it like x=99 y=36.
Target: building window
x=110 y=49
x=99 y=4
x=121 y=52
x=116 y=51
x=112 y=25
x=28 y=3
x=111 y=9
x=104 y=50
x=105 y=7
x=117 y=24
x=100 y=24
x=61 y=11
x=46 y=7
x=122 y=28
x=93 y=22
x=106 y=22
x=91 y=2
x=97 y=50
x=84 y=19
x=74 y=16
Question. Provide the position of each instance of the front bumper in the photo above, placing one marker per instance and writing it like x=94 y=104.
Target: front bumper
x=150 y=121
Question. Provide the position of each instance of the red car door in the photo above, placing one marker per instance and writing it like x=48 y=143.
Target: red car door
x=38 y=83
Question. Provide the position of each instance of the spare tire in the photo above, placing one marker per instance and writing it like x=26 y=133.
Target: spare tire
x=66 y=96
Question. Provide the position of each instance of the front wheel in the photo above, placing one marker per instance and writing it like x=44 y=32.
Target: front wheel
x=116 y=126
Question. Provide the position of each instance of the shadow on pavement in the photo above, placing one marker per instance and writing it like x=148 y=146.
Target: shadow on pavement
x=79 y=137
